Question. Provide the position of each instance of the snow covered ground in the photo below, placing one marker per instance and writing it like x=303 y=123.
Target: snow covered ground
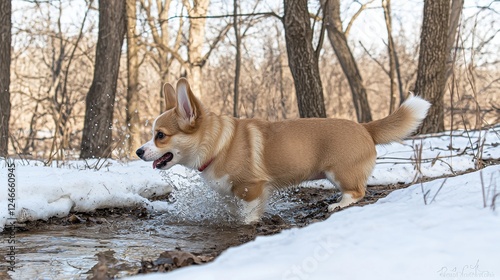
x=44 y=192
x=400 y=237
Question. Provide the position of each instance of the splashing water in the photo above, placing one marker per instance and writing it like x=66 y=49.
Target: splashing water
x=194 y=202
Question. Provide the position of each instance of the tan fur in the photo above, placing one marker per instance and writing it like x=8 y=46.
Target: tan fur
x=249 y=156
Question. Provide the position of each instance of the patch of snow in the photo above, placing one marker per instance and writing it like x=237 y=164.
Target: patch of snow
x=44 y=192
x=399 y=237
x=441 y=154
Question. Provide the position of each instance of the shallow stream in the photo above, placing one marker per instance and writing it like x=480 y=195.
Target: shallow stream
x=70 y=247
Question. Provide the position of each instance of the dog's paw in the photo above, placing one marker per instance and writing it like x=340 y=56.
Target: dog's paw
x=251 y=219
x=333 y=207
x=346 y=200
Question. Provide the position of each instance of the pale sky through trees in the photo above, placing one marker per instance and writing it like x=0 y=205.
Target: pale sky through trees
x=368 y=29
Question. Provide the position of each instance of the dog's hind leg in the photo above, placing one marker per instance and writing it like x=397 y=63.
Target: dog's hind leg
x=347 y=199
x=352 y=184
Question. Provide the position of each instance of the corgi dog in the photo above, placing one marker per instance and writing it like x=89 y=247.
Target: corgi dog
x=248 y=158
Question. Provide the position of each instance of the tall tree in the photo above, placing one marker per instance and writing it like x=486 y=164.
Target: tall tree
x=5 y=45
x=169 y=50
x=164 y=53
x=394 y=73
x=303 y=59
x=431 y=73
x=455 y=13
x=97 y=129
x=241 y=25
x=237 y=70
x=338 y=40
x=132 y=117
x=198 y=16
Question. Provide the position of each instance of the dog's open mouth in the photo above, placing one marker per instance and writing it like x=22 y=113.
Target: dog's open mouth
x=161 y=162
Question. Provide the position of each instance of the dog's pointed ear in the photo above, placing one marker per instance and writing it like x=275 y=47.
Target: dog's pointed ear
x=188 y=107
x=170 y=96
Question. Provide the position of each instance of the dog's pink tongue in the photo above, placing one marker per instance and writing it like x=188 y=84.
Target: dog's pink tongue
x=165 y=157
x=155 y=163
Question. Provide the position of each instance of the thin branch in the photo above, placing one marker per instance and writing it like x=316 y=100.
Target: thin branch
x=214 y=43
x=374 y=59
x=440 y=187
x=186 y=4
x=321 y=35
x=80 y=35
x=273 y=14
x=150 y=20
x=251 y=20
x=355 y=16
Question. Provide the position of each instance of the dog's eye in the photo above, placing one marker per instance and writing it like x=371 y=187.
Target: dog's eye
x=160 y=135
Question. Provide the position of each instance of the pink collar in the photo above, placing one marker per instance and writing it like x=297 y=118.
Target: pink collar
x=204 y=166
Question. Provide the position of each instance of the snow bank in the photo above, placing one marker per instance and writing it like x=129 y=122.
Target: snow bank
x=442 y=154
x=44 y=192
x=399 y=237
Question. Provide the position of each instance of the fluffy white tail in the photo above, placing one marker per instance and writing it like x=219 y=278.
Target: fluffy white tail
x=401 y=123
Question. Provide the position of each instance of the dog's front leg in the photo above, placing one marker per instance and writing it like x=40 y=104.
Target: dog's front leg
x=253 y=200
x=252 y=210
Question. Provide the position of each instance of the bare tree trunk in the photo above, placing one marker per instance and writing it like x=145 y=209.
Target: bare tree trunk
x=303 y=60
x=97 y=130
x=161 y=40
x=163 y=58
x=198 y=13
x=349 y=66
x=431 y=78
x=386 y=4
x=5 y=45
x=456 y=11
x=402 y=93
x=237 y=70
x=281 y=64
x=132 y=118
x=167 y=54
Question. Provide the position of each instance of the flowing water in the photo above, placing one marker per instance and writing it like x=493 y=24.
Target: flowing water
x=69 y=252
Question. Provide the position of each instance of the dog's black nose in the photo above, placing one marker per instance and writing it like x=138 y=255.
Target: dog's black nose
x=139 y=152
